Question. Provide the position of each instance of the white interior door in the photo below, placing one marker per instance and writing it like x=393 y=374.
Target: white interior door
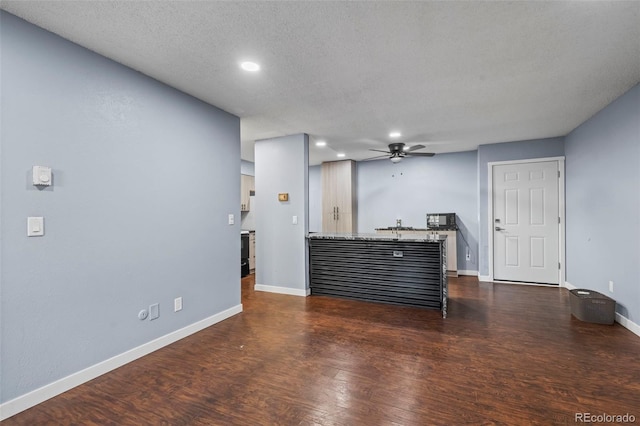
x=526 y=222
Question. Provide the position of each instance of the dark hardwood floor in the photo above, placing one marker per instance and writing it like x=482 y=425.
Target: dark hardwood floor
x=507 y=354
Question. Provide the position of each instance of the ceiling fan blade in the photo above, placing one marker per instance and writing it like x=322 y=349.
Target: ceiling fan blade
x=376 y=157
x=378 y=150
x=413 y=148
x=421 y=154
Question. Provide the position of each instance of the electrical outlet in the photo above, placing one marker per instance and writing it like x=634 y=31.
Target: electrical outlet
x=154 y=311
x=611 y=286
x=177 y=304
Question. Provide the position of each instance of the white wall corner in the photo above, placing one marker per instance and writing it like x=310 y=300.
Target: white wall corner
x=484 y=278
x=304 y=292
x=37 y=396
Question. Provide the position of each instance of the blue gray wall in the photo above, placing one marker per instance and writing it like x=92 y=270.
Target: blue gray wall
x=522 y=150
x=315 y=198
x=281 y=166
x=143 y=185
x=603 y=203
x=415 y=186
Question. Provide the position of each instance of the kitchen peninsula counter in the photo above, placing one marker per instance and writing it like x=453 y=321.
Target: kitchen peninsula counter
x=380 y=268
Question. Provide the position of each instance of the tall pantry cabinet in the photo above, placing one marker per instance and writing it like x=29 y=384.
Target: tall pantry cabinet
x=339 y=205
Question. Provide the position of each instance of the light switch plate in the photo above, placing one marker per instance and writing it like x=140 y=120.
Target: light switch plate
x=295 y=220
x=177 y=304
x=231 y=219
x=35 y=226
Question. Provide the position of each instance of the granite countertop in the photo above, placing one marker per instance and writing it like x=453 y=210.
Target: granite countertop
x=411 y=229
x=376 y=237
x=401 y=228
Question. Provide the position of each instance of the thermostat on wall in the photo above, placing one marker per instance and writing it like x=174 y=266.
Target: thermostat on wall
x=284 y=196
x=42 y=176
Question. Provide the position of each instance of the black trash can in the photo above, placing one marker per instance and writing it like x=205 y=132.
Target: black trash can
x=591 y=306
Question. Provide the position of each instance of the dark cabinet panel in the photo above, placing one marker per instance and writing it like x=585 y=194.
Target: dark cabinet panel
x=411 y=273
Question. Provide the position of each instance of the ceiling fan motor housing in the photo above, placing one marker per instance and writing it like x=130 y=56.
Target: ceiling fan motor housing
x=397 y=147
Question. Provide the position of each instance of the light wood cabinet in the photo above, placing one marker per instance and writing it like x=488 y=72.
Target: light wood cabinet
x=339 y=205
x=452 y=251
x=452 y=245
x=247 y=184
x=252 y=251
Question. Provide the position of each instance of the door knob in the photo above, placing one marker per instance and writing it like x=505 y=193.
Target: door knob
x=499 y=229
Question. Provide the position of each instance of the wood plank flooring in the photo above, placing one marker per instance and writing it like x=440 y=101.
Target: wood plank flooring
x=507 y=354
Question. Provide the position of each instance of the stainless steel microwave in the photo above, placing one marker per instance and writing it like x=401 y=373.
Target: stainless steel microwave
x=441 y=221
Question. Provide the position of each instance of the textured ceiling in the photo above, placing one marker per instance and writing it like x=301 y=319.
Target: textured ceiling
x=450 y=75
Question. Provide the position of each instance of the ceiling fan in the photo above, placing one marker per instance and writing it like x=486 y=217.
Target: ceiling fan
x=398 y=150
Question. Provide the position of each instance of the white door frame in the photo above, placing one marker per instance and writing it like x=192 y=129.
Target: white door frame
x=561 y=228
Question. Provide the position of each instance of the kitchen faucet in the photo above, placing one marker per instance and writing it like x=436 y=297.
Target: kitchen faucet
x=398 y=226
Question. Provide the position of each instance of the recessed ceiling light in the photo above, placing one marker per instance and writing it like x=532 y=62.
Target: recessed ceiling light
x=395 y=134
x=341 y=154
x=250 y=66
x=321 y=143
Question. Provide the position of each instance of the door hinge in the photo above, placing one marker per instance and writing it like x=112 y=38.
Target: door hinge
x=558 y=173
x=559 y=265
x=558 y=219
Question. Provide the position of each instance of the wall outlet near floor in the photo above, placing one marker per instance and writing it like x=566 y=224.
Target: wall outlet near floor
x=611 y=286
x=177 y=304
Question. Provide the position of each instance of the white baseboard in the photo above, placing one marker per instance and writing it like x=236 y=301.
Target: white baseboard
x=628 y=324
x=569 y=286
x=488 y=279
x=40 y=395
x=525 y=283
x=282 y=290
x=467 y=272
